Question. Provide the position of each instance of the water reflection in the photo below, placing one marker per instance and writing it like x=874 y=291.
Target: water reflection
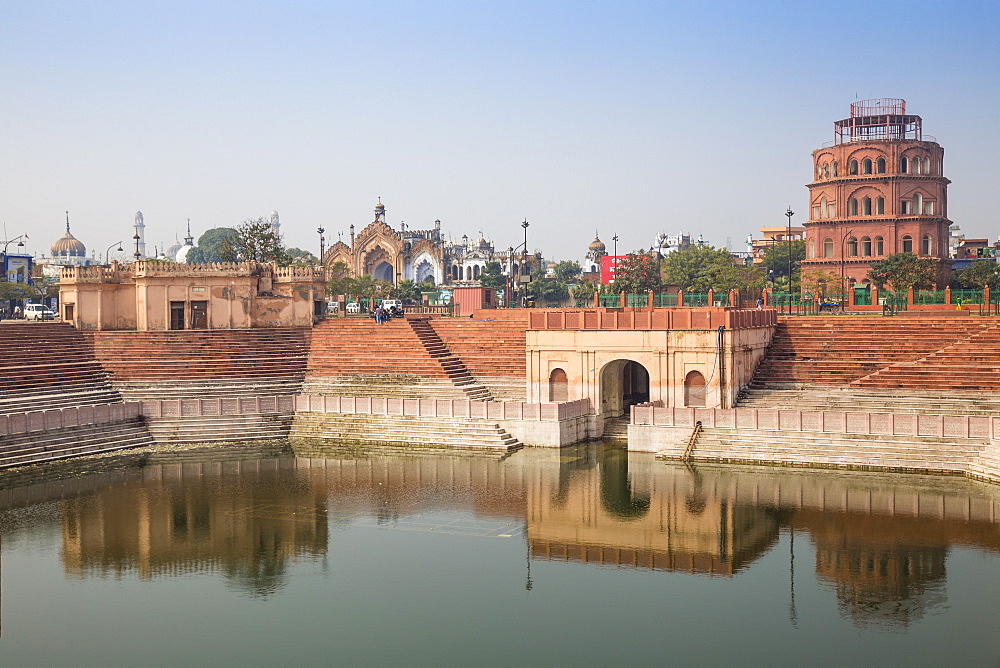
x=881 y=543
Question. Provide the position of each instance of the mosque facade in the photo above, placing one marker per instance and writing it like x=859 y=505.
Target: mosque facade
x=418 y=255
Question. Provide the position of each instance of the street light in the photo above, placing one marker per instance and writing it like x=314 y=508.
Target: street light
x=788 y=240
x=509 y=290
x=117 y=243
x=322 y=245
x=615 y=239
x=136 y=237
x=8 y=243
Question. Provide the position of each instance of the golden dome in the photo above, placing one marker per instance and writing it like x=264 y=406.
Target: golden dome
x=69 y=245
x=597 y=245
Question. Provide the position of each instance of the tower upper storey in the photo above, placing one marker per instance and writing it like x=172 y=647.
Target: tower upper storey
x=884 y=119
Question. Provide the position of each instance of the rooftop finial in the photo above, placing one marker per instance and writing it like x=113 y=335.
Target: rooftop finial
x=67 y=222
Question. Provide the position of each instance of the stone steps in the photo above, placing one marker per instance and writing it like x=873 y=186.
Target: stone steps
x=869 y=401
x=855 y=451
x=33 y=447
x=466 y=433
x=215 y=428
x=208 y=389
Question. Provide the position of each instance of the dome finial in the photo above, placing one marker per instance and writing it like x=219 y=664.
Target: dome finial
x=67 y=222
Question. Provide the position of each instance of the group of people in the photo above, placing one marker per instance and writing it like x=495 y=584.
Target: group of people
x=16 y=313
x=382 y=314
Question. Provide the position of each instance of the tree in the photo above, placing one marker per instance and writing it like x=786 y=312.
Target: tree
x=902 y=271
x=207 y=249
x=493 y=277
x=406 y=290
x=979 y=274
x=254 y=240
x=301 y=258
x=567 y=270
x=546 y=291
x=367 y=285
x=42 y=288
x=338 y=279
x=776 y=257
x=637 y=272
x=822 y=282
x=698 y=268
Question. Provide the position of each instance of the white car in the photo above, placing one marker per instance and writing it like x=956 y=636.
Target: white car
x=38 y=312
x=354 y=307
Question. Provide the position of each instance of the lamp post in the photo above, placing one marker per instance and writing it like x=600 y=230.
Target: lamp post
x=9 y=242
x=117 y=243
x=788 y=242
x=136 y=254
x=615 y=239
x=509 y=289
x=843 y=275
x=322 y=246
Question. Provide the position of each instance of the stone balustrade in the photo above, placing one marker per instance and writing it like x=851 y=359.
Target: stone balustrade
x=493 y=410
x=60 y=418
x=980 y=428
x=654 y=319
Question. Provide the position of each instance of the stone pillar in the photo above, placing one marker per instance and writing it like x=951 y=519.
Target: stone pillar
x=680 y=298
x=909 y=296
x=650 y=300
x=711 y=297
x=947 y=295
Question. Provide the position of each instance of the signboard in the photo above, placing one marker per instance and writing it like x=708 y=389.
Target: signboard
x=608 y=264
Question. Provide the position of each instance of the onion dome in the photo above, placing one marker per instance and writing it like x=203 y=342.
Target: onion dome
x=67 y=245
x=597 y=245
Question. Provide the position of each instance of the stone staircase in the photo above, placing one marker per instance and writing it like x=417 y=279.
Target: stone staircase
x=41 y=446
x=455 y=369
x=48 y=366
x=871 y=400
x=494 y=351
x=851 y=451
x=810 y=351
x=616 y=429
x=220 y=428
x=464 y=433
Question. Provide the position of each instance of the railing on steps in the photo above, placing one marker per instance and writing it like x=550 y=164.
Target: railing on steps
x=692 y=439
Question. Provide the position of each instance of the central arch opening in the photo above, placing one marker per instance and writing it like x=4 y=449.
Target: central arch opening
x=624 y=383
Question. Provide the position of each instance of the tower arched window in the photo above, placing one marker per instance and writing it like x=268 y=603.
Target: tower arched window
x=826 y=170
x=929 y=208
x=927 y=165
x=918 y=204
x=916 y=165
x=852 y=206
x=828 y=247
x=880 y=165
x=879 y=246
x=866 y=166
x=823 y=210
x=852 y=247
x=926 y=246
x=904 y=165
x=866 y=206
x=835 y=165
x=812 y=248
x=475 y=272
x=879 y=206
x=852 y=167
x=866 y=247
x=907 y=244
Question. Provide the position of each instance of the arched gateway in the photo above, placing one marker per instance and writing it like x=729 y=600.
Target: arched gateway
x=624 y=383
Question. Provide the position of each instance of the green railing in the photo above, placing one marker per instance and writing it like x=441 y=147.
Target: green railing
x=610 y=301
x=968 y=297
x=637 y=301
x=695 y=299
x=929 y=297
x=862 y=298
x=664 y=300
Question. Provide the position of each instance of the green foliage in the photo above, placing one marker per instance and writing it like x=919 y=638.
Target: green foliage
x=546 y=291
x=699 y=268
x=901 y=271
x=776 y=257
x=10 y=290
x=738 y=278
x=301 y=258
x=567 y=270
x=367 y=285
x=584 y=292
x=207 y=249
x=254 y=240
x=979 y=274
x=492 y=276
x=637 y=272
x=406 y=290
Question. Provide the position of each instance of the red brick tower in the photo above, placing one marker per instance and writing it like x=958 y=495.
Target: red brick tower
x=878 y=189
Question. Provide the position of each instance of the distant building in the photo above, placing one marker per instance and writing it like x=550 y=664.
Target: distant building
x=878 y=189
x=771 y=236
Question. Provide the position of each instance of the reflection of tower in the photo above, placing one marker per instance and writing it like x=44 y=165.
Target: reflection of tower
x=140 y=230
x=275 y=225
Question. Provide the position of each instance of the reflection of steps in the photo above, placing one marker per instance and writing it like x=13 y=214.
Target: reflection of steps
x=453 y=367
x=856 y=451
x=472 y=433
x=616 y=429
x=40 y=446
x=872 y=400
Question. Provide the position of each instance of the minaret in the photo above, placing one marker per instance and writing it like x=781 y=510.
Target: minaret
x=140 y=229
x=275 y=225
x=189 y=240
x=379 y=211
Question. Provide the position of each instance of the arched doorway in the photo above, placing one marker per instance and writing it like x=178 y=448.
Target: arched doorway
x=694 y=389
x=424 y=271
x=624 y=383
x=558 y=386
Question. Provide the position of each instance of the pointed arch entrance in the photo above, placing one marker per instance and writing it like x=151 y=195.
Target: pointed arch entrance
x=624 y=383
x=694 y=389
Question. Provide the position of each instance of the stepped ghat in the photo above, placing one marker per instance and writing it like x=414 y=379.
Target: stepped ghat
x=906 y=394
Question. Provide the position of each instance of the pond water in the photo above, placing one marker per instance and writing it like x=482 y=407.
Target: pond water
x=583 y=556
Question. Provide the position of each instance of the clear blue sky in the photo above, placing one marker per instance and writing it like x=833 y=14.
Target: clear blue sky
x=624 y=117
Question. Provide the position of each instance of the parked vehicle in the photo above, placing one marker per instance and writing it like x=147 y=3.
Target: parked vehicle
x=38 y=312
x=354 y=307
